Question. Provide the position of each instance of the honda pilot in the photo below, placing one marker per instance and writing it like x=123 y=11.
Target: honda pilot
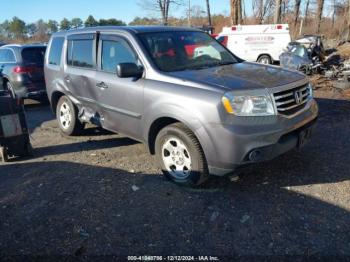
x=200 y=109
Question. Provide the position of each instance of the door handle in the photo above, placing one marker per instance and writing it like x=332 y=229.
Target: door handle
x=102 y=85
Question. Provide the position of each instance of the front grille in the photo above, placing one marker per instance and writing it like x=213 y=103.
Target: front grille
x=289 y=102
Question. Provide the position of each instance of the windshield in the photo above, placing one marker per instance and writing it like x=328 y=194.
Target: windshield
x=177 y=51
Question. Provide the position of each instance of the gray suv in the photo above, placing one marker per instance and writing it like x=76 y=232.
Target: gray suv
x=22 y=67
x=200 y=109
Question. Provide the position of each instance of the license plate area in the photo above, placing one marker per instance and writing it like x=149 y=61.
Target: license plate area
x=304 y=137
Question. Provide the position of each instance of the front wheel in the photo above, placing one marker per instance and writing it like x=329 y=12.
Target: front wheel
x=265 y=59
x=67 y=117
x=181 y=156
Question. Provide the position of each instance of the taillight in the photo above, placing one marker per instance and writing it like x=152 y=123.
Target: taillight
x=233 y=28
x=24 y=69
x=279 y=27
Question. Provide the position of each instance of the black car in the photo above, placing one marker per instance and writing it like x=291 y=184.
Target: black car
x=22 y=70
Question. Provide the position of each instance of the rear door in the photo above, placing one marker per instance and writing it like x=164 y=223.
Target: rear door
x=80 y=71
x=121 y=99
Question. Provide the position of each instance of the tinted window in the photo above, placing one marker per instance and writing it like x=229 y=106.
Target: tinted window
x=56 y=51
x=114 y=53
x=34 y=55
x=6 y=55
x=80 y=53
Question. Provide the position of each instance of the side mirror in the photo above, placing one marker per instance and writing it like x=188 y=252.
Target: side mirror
x=125 y=70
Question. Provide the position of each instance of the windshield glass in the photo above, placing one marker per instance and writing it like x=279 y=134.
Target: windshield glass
x=177 y=51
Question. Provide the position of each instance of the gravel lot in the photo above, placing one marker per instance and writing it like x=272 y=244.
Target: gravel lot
x=102 y=194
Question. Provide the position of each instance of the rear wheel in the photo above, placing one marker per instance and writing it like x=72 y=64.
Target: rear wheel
x=9 y=87
x=3 y=154
x=265 y=59
x=181 y=156
x=67 y=117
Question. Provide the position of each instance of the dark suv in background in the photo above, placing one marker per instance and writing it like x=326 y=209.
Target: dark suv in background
x=22 y=70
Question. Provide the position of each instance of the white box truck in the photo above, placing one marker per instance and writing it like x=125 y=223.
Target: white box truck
x=256 y=43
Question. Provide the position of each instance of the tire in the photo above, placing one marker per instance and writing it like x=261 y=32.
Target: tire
x=181 y=156
x=265 y=59
x=9 y=87
x=3 y=154
x=67 y=117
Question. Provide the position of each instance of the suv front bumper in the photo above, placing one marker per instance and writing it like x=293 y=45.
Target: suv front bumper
x=254 y=139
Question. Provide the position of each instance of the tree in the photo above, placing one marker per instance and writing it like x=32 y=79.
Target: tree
x=90 y=22
x=65 y=24
x=306 y=13
x=111 y=21
x=42 y=28
x=31 y=29
x=262 y=9
x=296 y=12
x=52 y=26
x=278 y=6
x=144 y=21
x=161 y=6
x=76 y=23
x=17 y=27
x=348 y=21
x=236 y=11
x=320 y=4
x=4 y=29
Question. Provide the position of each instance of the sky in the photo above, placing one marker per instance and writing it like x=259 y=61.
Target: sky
x=126 y=10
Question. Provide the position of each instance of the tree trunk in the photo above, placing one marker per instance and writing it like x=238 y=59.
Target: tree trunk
x=236 y=11
x=277 y=18
x=320 y=4
x=296 y=12
x=261 y=12
x=306 y=11
x=349 y=22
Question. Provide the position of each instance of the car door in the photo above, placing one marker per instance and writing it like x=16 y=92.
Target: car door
x=121 y=99
x=79 y=74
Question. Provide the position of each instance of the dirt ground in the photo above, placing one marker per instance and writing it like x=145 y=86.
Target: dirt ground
x=102 y=195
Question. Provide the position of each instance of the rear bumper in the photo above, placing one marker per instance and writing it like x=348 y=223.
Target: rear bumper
x=32 y=90
x=251 y=140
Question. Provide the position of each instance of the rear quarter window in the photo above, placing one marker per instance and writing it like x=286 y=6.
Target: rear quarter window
x=33 y=55
x=80 y=54
x=56 y=51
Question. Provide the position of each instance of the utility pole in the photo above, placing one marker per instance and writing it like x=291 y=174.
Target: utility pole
x=208 y=12
x=189 y=13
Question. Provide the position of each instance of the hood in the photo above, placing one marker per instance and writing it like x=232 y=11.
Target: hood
x=240 y=76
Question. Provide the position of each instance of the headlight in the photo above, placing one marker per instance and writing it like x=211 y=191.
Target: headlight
x=248 y=105
x=311 y=91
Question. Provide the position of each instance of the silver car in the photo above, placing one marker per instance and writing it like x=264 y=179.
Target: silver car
x=200 y=109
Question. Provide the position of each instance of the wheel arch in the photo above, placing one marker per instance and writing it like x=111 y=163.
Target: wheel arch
x=54 y=100
x=157 y=125
x=265 y=54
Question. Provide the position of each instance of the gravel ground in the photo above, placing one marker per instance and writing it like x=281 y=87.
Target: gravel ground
x=103 y=194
